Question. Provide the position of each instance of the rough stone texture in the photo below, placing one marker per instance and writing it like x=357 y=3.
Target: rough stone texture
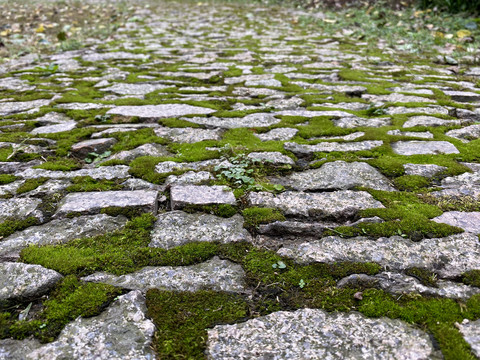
x=448 y=257
x=169 y=166
x=142 y=150
x=19 y=208
x=184 y=195
x=471 y=333
x=102 y=172
x=190 y=177
x=465 y=134
x=317 y=334
x=337 y=204
x=279 y=134
x=426 y=170
x=51 y=129
x=176 y=228
x=398 y=284
x=189 y=135
x=353 y=122
x=59 y=232
x=215 y=274
x=99 y=146
x=462 y=96
x=468 y=221
x=117 y=55
x=273 y=157
x=24 y=282
x=432 y=121
x=121 y=332
x=423 y=135
x=134 y=89
x=159 y=111
x=338 y=175
x=252 y=120
x=93 y=202
x=332 y=146
x=466 y=184
x=415 y=147
x=8 y=108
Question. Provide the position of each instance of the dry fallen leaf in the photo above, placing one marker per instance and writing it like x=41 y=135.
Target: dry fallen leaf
x=463 y=33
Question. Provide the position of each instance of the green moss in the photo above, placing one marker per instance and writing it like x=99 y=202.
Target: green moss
x=31 y=184
x=472 y=278
x=426 y=277
x=8 y=227
x=452 y=203
x=181 y=319
x=131 y=139
x=69 y=300
x=255 y=216
x=87 y=183
x=411 y=182
x=61 y=164
x=7 y=179
x=66 y=139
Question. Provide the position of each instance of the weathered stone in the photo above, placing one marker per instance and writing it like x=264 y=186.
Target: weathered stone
x=462 y=96
x=99 y=146
x=185 y=195
x=398 y=284
x=292 y=228
x=123 y=331
x=448 y=257
x=189 y=135
x=11 y=349
x=426 y=170
x=317 y=334
x=279 y=134
x=423 y=135
x=415 y=147
x=349 y=137
x=423 y=120
x=273 y=157
x=471 y=333
x=215 y=274
x=468 y=221
x=466 y=184
x=176 y=228
x=301 y=149
x=19 y=209
x=51 y=129
x=8 y=108
x=159 y=111
x=354 y=121
x=252 y=120
x=338 y=175
x=22 y=282
x=190 y=177
x=134 y=89
x=310 y=113
x=93 y=202
x=430 y=110
x=142 y=150
x=15 y=84
x=285 y=104
x=58 y=232
x=397 y=98
x=82 y=106
x=102 y=172
x=117 y=55
x=169 y=166
x=465 y=134
x=337 y=204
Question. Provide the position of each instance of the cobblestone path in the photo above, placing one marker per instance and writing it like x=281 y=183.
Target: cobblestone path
x=220 y=182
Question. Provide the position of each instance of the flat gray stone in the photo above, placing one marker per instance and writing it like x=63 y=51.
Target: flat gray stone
x=354 y=121
x=215 y=274
x=462 y=96
x=102 y=172
x=417 y=134
x=175 y=228
x=15 y=84
x=311 y=113
x=471 y=333
x=142 y=150
x=189 y=135
x=8 y=108
x=51 y=129
x=426 y=170
x=398 y=284
x=19 y=209
x=448 y=257
x=349 y=137
x=338 y=204
x=468 y=221
x=99 y=146
x=332 y=146
x=123 y=331
x=423 y=120
x=465 y=134
x=416 y=147
x=466 y=184
x=22 y=282
x=169 y=166
x=338 y=175
x=117 y=55
x=82 y=106
x=273 y=157
x=397 y=98
x=59 y=232
x=11 y=349
x=159 y=111
x=93 y=202
x=134 y=89
x=190 y=177
x=280 y=134
x=430 y=110
x=184 y=195
x=317 y=334
x=252 y=120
